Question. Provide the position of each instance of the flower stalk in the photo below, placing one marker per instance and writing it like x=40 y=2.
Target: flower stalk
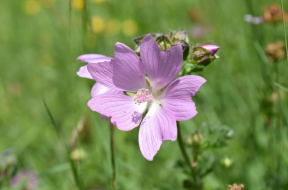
x=284 y=28
x=195 y=175
x=113 y=157
x=182 y=148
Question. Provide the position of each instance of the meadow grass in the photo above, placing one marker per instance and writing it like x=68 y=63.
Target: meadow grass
x=38 y=61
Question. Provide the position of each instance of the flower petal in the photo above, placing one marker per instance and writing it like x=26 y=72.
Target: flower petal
x=159 y=124
x=128 y=71
x=83 y=72
x=161 y=67
x=93 y=58
x=212 y=48
x=125 y=72
x=177 y=96
x=102 y=73
x=125 y=114
x=98 y=89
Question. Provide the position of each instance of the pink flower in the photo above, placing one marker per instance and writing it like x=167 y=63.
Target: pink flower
x=30 y=177
x=164 y=101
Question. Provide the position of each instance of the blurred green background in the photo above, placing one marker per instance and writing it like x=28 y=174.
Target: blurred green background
x=40 y=41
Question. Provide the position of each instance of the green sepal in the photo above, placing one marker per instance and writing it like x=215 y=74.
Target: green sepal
x=199 y=53
x=164 y=42
x=131 y=94
x=147 y=81
x=206 y=61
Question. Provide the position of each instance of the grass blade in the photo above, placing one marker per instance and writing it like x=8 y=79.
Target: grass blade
x=264 y=67
x=72 y=164
x=281 y=87
x=284 y=110
x=261 y=53
x=284 y=29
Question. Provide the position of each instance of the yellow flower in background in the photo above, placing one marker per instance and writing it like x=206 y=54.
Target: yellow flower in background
x=78 y=4
x=47 y=3
x=32 y=7
x=113 y=26
x=98 y=1
x=97 y=24
x=130 y=27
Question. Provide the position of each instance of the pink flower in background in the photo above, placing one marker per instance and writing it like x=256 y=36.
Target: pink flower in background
x=254 y=20
x=200 y=31
x=165 y=101
x=29 y=177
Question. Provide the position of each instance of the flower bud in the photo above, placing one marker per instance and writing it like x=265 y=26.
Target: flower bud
x=78 y=155
x=204 y=54
x=194 y=139
x=235 y=187
x=226 y=162
x=275 y=51
x=279 y=93
x=212 y=48
x=180 y=35
x=273 y=14
x=189 y=141
x=164 y=42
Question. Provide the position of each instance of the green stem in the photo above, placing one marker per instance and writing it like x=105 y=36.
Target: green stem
x=85 y=23
x=73 y=82
x=284 y=30
x=113 y=157
x=197 y=176
x=194 y=174
x=279 y=115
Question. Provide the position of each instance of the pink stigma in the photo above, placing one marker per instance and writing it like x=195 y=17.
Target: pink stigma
x=142 y=95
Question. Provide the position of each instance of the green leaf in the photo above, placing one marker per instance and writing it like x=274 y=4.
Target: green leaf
x=72 y=164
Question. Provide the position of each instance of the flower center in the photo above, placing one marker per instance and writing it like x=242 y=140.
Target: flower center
x=142 y=95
